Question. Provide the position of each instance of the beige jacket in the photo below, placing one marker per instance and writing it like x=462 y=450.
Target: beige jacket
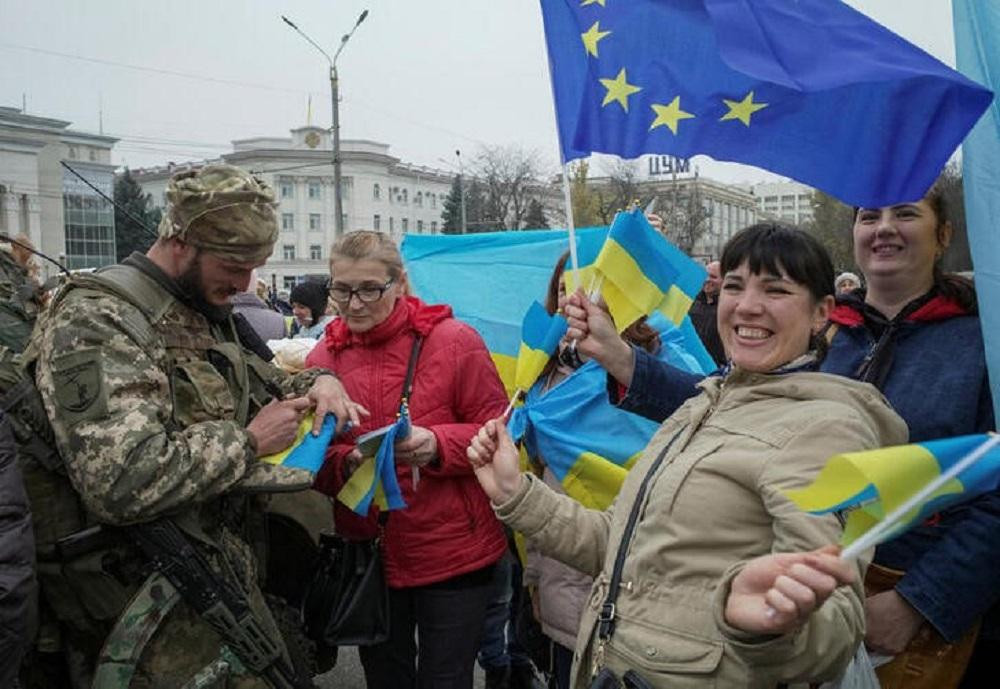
x=716 y=502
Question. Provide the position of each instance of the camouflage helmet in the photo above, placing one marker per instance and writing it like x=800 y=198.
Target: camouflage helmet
x=222 y=209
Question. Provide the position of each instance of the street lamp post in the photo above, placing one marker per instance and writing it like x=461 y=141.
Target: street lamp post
x=338 y=220
x=461 y=190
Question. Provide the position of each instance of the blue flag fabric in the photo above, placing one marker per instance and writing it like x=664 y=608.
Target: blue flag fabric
x=587 y=443
x=376 y=479
x=490 y=279
x=811 y=89
x=306 y=451
x=977 y=45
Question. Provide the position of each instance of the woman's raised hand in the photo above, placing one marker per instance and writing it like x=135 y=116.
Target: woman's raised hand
x=775 y=594
x=495 y=459
x=597 y=338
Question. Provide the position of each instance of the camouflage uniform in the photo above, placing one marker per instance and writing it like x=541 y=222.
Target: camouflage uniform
x=18 y=301
x=149 y=401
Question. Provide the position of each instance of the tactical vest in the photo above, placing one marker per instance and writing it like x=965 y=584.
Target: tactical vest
x=88 y=581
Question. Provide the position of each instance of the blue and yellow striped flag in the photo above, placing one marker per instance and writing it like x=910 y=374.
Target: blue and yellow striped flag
x=375 y=479
x=589 y=444
x=640 y=272
x=872 y=484
x=306 y=451
x=540 y=335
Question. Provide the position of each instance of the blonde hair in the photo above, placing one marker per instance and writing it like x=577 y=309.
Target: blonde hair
x=365 y=244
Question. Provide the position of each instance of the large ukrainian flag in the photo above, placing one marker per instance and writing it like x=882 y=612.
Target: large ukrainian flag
x=870 y=485
x=490 y=279
x=589 y=444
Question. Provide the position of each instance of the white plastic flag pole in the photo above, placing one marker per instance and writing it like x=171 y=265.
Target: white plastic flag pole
x=567 y=200
x=874 y=536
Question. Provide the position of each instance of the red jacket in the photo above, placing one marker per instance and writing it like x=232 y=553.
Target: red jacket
x=448 y=527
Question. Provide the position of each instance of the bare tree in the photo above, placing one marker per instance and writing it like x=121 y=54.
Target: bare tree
x=685 y=217
x=620 y=191
x=511 y=177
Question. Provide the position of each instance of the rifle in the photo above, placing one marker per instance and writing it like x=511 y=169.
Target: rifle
x=221 y=605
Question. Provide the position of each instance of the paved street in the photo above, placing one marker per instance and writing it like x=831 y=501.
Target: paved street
x=349 y=675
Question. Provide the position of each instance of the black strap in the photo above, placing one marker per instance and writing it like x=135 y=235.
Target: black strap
x=411 y=369
x=607 y=616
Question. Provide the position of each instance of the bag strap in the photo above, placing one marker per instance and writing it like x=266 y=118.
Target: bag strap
x=411 y=369
x=606 y=618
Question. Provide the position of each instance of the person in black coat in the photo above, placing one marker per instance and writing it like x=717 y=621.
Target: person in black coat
x=17 y=561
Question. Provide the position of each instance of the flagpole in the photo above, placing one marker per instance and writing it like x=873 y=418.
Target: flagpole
x=567 y=199
x=874 y=535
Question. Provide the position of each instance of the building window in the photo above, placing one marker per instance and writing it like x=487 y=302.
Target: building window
x=376 y=192
x=420 y=226
x=288 y=282
x=314 y=190
x=343 y=221
x=288 y=252
x=434 y=225
x=434 y=200
x=92 y=154
x=406 y=196
x=418 y=199
x=377 y=222
x=405 y=224
x=90 y=230
x=315 y=252
x=286 y=190
x=392 y=225
x=73 y=153
x=315 y=221
x=287 y=221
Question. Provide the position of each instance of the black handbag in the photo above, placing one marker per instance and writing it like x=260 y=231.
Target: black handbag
x=347 y=601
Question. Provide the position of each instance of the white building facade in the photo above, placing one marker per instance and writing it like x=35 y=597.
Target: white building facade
x=61 y=215
x=378 y=191
x=788 y=201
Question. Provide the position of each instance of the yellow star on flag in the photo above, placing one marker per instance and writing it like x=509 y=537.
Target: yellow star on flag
x=669 y=115
x=741 y=110
x=618 y=90
x=592 y=2
x=593 y=35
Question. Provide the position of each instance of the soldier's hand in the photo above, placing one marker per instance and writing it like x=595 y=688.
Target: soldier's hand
x=329 y=396
x=276 y=423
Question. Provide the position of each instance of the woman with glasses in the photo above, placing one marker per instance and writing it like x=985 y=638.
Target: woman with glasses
x=440 y=551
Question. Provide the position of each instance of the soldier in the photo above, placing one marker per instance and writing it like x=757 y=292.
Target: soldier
x=19 y=295
x=160 y=412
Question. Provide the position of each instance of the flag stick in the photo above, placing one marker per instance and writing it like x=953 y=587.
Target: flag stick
x=510 y=407
x=571 y=227
x=873 y=537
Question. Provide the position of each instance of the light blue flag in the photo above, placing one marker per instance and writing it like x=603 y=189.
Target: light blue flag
x=977 y=45
x=587 y=443
x=490 y=280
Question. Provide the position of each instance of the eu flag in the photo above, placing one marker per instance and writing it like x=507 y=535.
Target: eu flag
x=810 y=89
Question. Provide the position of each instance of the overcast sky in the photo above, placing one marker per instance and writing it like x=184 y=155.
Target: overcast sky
x=179 y=80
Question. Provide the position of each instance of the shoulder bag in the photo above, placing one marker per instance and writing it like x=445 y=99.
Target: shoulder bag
x=347 y=601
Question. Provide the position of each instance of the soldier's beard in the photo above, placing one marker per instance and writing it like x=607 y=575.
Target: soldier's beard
x=192 y=284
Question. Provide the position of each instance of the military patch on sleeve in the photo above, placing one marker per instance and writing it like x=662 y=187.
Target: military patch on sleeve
x=79 y=385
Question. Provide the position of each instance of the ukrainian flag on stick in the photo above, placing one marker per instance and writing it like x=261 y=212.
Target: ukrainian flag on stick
x=540 y=335
x=640 y=272
x=306 y=451
x=891 y=489
x=376 y=478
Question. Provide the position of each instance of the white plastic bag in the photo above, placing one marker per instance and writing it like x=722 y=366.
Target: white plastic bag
x=860 y=674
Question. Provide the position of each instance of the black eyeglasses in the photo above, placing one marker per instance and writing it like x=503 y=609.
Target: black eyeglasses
x=366 y=293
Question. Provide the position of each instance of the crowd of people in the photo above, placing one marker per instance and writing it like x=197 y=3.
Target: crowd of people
x=154 y=397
